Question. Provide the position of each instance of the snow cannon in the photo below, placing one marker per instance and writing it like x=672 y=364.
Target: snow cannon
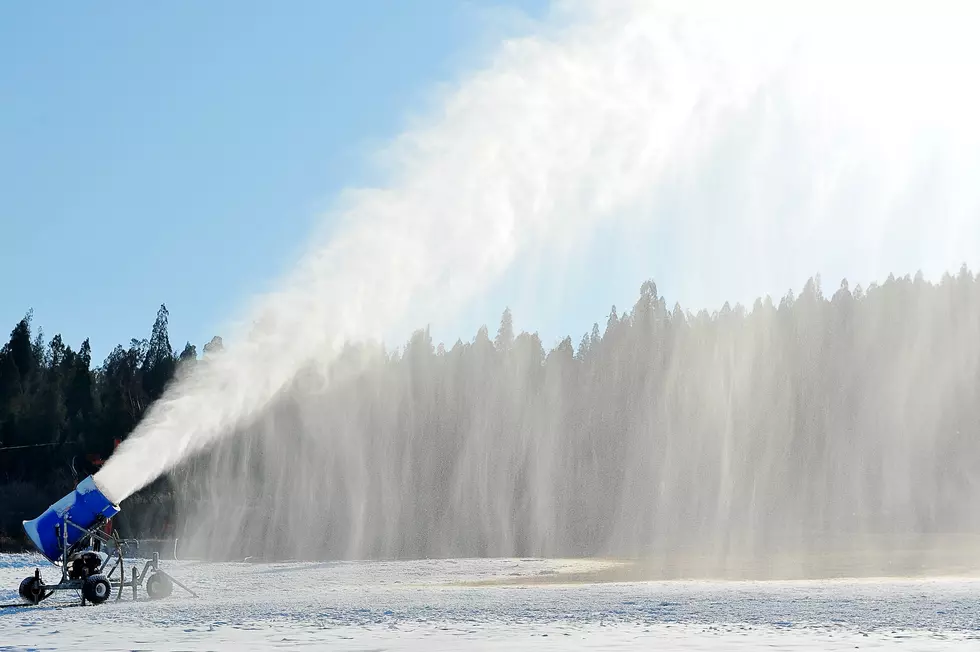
x=72 y=535
x=69 y=520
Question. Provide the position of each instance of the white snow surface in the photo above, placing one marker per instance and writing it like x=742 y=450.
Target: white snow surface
x=425 y=605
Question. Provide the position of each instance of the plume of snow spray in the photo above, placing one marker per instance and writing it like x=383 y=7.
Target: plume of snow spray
x=755 y=138
x=557 y=134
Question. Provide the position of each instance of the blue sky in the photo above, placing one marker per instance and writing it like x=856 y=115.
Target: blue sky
x=179 y=152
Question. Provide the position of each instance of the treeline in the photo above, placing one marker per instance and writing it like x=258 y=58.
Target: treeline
x=816 y=421
x=61 y=417
x=747 y=430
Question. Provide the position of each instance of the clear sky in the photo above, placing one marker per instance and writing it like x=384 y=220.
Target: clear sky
x=179 y=152
x=182 y=153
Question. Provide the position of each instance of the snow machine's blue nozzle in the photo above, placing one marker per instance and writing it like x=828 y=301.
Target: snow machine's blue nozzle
x=81 y=508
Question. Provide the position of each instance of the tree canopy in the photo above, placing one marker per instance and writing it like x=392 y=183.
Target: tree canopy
x=810 y=415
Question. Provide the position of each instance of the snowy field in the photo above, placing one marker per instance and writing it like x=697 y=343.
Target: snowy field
x=433 y=605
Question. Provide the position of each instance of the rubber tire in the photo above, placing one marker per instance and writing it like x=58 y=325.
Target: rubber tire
x=30 y=590
x=96 y=589
x=159 y=586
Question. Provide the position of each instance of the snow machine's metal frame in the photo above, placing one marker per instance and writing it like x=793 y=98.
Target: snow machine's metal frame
x=159 y=584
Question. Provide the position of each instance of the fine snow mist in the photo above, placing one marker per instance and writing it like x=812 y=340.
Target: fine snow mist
x=765 y=145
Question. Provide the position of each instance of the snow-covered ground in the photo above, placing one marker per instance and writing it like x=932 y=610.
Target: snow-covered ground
x=432 y=605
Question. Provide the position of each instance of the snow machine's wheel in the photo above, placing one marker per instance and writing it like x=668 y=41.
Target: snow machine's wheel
x=159 y=586
x=96 y=589
x=30 y=590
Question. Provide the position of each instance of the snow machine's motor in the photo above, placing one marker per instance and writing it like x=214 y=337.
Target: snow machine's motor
x=83 y=564
x=70 y=520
